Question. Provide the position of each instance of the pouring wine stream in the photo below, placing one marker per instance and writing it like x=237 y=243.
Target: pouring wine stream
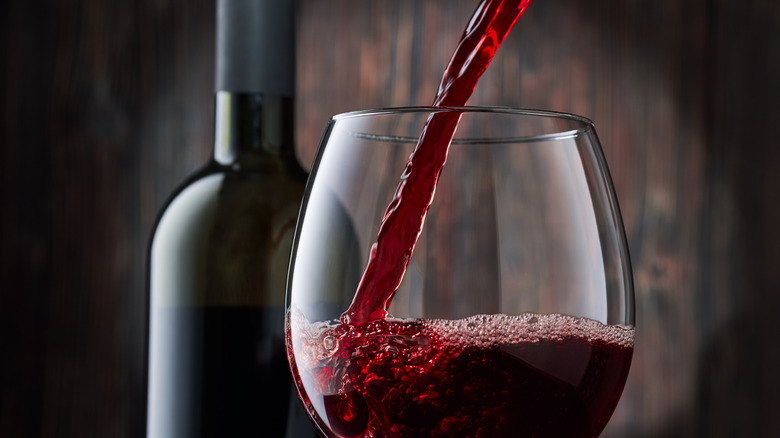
x=403 y=220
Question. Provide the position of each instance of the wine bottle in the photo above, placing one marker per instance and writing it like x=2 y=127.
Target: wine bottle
x=219 y=254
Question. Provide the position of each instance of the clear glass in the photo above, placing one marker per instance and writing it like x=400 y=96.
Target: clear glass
x=521 y=276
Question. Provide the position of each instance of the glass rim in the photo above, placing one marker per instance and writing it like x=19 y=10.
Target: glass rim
x=587 y=124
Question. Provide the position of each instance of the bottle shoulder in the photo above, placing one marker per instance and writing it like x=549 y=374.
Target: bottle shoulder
x=216 y=200
x=215 y=185
x=224 y=238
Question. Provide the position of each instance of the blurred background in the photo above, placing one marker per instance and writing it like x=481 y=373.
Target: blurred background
x=107 y=106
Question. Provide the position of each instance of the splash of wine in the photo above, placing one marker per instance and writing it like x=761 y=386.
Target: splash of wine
x=403 y=220
x=516 y=376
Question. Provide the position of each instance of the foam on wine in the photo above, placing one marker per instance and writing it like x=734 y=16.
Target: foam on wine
x=322 y=338
x=489 y=330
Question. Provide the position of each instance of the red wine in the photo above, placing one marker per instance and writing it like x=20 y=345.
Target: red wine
x=483 y=376
x=404 y=217
x=224 y=371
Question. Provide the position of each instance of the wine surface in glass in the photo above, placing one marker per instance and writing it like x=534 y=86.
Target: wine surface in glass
x=483 y=376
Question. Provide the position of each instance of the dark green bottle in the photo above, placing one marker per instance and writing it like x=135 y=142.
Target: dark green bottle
x=219 y=253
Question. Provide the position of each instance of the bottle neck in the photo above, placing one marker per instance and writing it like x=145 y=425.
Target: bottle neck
x=255 y=47
x=255 y=82
x=253 y=125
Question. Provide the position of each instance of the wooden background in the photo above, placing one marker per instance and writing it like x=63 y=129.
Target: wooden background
x=106 y=106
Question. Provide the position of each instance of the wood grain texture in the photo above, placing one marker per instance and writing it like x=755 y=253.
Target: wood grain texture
x=106 y=106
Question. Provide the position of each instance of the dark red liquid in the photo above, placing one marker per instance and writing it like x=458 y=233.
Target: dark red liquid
x=403 y=220
x=221 y=370
x=484 y=376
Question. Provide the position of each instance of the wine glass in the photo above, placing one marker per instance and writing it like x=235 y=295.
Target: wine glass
x=515 y=315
